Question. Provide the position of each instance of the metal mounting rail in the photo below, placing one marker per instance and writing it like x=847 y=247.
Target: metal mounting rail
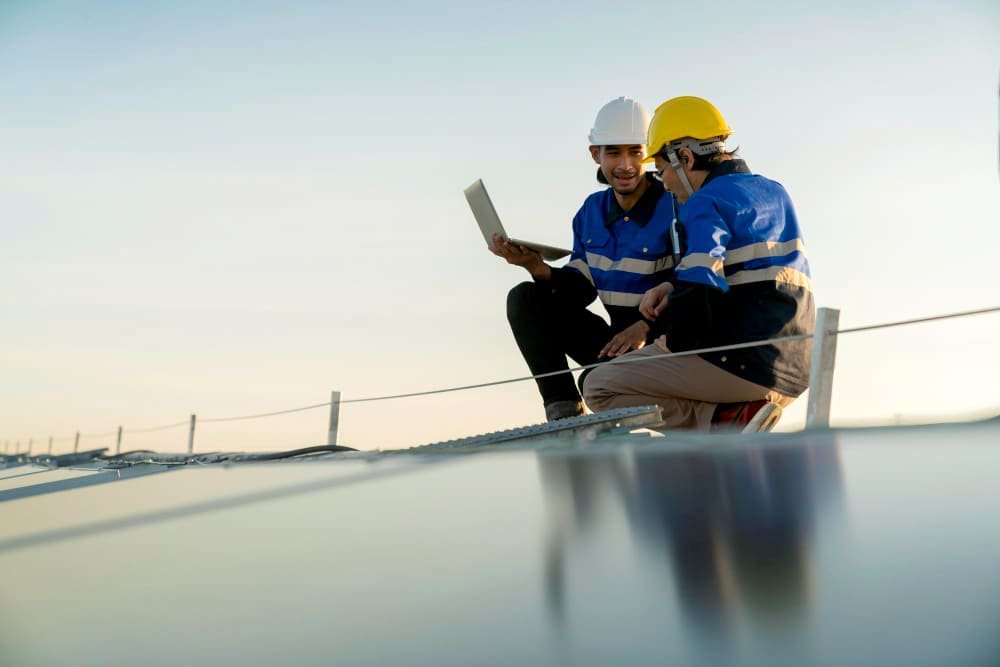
x=63 y=460
x=621 y=419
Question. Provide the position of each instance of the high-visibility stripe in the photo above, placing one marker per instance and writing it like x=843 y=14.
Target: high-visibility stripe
x=703 y=260
x=609 y=298
x=582 y=267
x=764 y=249
x=779 y=274
x=644 y=267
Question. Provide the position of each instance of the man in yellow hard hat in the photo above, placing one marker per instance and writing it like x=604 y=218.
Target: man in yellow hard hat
x=621 y=248
x=743 y=276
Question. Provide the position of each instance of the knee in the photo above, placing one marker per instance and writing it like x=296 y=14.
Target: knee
x=597 y=392
x=522 y=300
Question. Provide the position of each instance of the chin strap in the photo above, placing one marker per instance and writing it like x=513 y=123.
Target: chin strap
x=675 y=162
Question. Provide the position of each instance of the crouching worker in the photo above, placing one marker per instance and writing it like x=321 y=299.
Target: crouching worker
x=743 y=276
x=620 y=250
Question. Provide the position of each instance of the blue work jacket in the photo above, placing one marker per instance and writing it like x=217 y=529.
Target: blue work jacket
x=743 y=276
x=619 y=254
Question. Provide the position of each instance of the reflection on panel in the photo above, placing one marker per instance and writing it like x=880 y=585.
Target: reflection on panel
x=733 y=527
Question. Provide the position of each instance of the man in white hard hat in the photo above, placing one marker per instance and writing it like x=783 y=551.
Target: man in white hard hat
x=621 y=249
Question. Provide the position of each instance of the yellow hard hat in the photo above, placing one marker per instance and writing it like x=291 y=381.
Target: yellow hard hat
x=681 y=117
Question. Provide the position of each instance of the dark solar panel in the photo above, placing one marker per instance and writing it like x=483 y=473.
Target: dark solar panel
x=869 y=547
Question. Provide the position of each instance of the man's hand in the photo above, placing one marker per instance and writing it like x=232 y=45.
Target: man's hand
x=655 y=300
x=631 y=338
x=520 y=256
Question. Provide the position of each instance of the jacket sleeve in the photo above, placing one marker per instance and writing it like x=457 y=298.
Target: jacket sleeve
x=700 y=280
x=706 y=236
x=573 y=283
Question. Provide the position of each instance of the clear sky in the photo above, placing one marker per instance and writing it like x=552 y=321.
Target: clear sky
x=236 y=207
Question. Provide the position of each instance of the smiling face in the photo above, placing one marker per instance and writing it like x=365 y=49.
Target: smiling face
x=621 y=166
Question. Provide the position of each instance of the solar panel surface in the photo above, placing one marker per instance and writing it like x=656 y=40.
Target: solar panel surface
x=867 y=547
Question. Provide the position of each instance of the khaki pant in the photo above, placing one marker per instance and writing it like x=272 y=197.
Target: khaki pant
x=687 y=388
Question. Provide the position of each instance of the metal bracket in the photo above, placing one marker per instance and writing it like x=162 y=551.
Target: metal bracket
x=590 y=425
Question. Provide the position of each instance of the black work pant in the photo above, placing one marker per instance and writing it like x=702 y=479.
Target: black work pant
x=547 y=331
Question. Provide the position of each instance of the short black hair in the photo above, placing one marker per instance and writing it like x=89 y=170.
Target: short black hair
x=709 y=162
x=600 y=177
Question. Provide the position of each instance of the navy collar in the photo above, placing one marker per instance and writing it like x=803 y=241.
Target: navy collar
x=642 y=212
x=735 y=166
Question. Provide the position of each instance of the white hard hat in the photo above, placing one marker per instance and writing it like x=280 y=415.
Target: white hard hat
x=620 y=122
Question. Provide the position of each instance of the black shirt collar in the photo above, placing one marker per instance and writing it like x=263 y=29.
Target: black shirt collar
x=735 y=166
x=643 y=209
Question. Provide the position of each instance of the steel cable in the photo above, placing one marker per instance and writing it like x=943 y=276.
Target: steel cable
x=524 y=378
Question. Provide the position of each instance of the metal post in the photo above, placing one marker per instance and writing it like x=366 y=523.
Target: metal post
x=76 y=443
x=331 y=436
x=824 y=355
x=30 y=443
x=118 y=445
x=17 y=448
x=191 y=435
x=50 y=444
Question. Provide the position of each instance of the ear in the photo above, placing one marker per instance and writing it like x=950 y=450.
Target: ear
x=686 y=157
x=595 y=153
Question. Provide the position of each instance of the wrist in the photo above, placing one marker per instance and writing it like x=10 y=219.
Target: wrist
x=540 y=271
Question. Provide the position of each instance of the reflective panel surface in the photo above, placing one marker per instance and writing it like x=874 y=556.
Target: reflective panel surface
x=873 y=547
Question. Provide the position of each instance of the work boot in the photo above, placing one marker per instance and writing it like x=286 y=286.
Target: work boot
x=563 y=409
x=740 y=416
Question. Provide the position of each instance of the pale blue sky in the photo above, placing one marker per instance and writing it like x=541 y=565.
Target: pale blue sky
x=232 y=207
